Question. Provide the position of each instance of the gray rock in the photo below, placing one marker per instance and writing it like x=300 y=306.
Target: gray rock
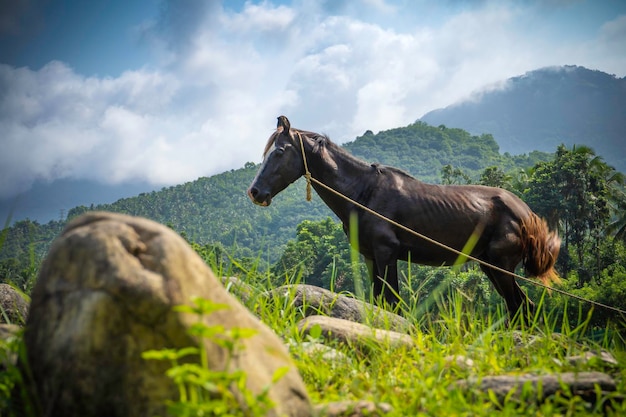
x=8 y=331
x=13 y=306
x=8 y=357
x=106 y=293
x=238 y=288
x=312 y=300
x=330 y=356
x=353 y=409
x=602 y=358
x=458 y=361
x=539 y=387
x=360 y=336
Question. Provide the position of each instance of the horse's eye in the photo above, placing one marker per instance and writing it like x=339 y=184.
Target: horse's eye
x=280 y=151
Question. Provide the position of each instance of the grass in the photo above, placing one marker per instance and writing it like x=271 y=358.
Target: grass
x=453 y=340
x=417 y=381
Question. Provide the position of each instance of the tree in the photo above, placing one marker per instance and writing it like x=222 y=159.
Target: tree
x=574 y=192
x=320 y=253
x=494 y=176
x=617 y=227
x=450 y=175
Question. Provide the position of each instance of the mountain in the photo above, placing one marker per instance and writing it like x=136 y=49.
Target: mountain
x=544 y=108
x=46 y=201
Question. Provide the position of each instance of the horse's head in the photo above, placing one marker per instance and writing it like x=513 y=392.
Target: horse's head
x=282 y=164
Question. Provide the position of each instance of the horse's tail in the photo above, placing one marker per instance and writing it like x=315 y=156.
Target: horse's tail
x=540 y=249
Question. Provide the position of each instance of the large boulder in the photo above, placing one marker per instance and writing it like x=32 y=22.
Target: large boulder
x=106 y=293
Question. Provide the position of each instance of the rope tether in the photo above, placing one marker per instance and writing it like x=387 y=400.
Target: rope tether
x=307 y=173
x=309 y=178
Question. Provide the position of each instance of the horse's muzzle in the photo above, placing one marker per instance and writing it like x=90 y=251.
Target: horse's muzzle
x=258 y=198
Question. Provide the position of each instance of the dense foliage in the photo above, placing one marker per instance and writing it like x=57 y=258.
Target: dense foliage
x=423 y=150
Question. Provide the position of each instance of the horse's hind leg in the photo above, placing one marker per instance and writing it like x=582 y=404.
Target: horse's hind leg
x=514 y=297
x=377 y=283
x=391 y=289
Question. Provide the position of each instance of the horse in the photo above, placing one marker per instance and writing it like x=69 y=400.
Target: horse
x=506 y=231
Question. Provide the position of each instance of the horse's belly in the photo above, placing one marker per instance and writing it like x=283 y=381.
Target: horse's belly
x=431 y=254
x=432 y=258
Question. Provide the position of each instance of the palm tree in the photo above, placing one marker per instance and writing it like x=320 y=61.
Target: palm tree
x=617 y=225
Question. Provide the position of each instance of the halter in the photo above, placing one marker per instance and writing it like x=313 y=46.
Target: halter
x=307 y=173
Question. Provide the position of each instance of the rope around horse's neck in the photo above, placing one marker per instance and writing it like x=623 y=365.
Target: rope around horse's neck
x=307 y=173
x=310 y=179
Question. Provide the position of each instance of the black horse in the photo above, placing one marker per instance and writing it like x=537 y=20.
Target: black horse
x=507 y=231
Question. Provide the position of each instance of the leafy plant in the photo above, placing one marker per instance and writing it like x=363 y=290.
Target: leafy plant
x=10 y=374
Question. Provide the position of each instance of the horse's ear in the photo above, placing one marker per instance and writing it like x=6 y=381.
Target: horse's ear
x=284 y=123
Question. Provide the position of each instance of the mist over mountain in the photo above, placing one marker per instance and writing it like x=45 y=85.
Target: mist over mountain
x=544 y=108
x=47 y=201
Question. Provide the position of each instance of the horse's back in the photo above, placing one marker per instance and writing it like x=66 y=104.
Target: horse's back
x=449 y=214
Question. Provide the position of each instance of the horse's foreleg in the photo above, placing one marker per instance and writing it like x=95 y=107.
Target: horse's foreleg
x=385 y=276
x=384 y=266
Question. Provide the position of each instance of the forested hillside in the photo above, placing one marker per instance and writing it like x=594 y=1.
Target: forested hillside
x=216 y=210
x=544 y=108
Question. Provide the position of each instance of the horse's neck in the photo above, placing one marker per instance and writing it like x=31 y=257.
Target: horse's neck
x=344 y=174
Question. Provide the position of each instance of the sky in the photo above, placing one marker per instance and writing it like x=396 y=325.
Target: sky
x=166 y=91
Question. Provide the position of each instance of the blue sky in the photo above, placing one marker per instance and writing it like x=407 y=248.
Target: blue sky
x=166 y=91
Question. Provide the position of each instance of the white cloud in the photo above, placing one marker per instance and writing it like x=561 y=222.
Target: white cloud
x=615 y=30
x=262 y=18
x=225 y=75
x=611 y=40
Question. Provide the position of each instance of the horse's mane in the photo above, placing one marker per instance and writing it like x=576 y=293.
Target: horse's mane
x=279 y=130
x=329 y=144
x=325 y=141
x=396 y=171
x=380 y=167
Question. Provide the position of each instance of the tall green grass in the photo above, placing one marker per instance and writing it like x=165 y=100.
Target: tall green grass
x=453 y=339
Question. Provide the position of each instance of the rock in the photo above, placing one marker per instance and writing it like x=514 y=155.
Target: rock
x=13 y=306
x=525 y=387
x=106 y=293
x=458 y=361
x=360 y=336
x=602 y=358
x=353 y=409
x=238 y=288
x=8 y=356
x=329 y=355
x=314 y=300
x=8 y=331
